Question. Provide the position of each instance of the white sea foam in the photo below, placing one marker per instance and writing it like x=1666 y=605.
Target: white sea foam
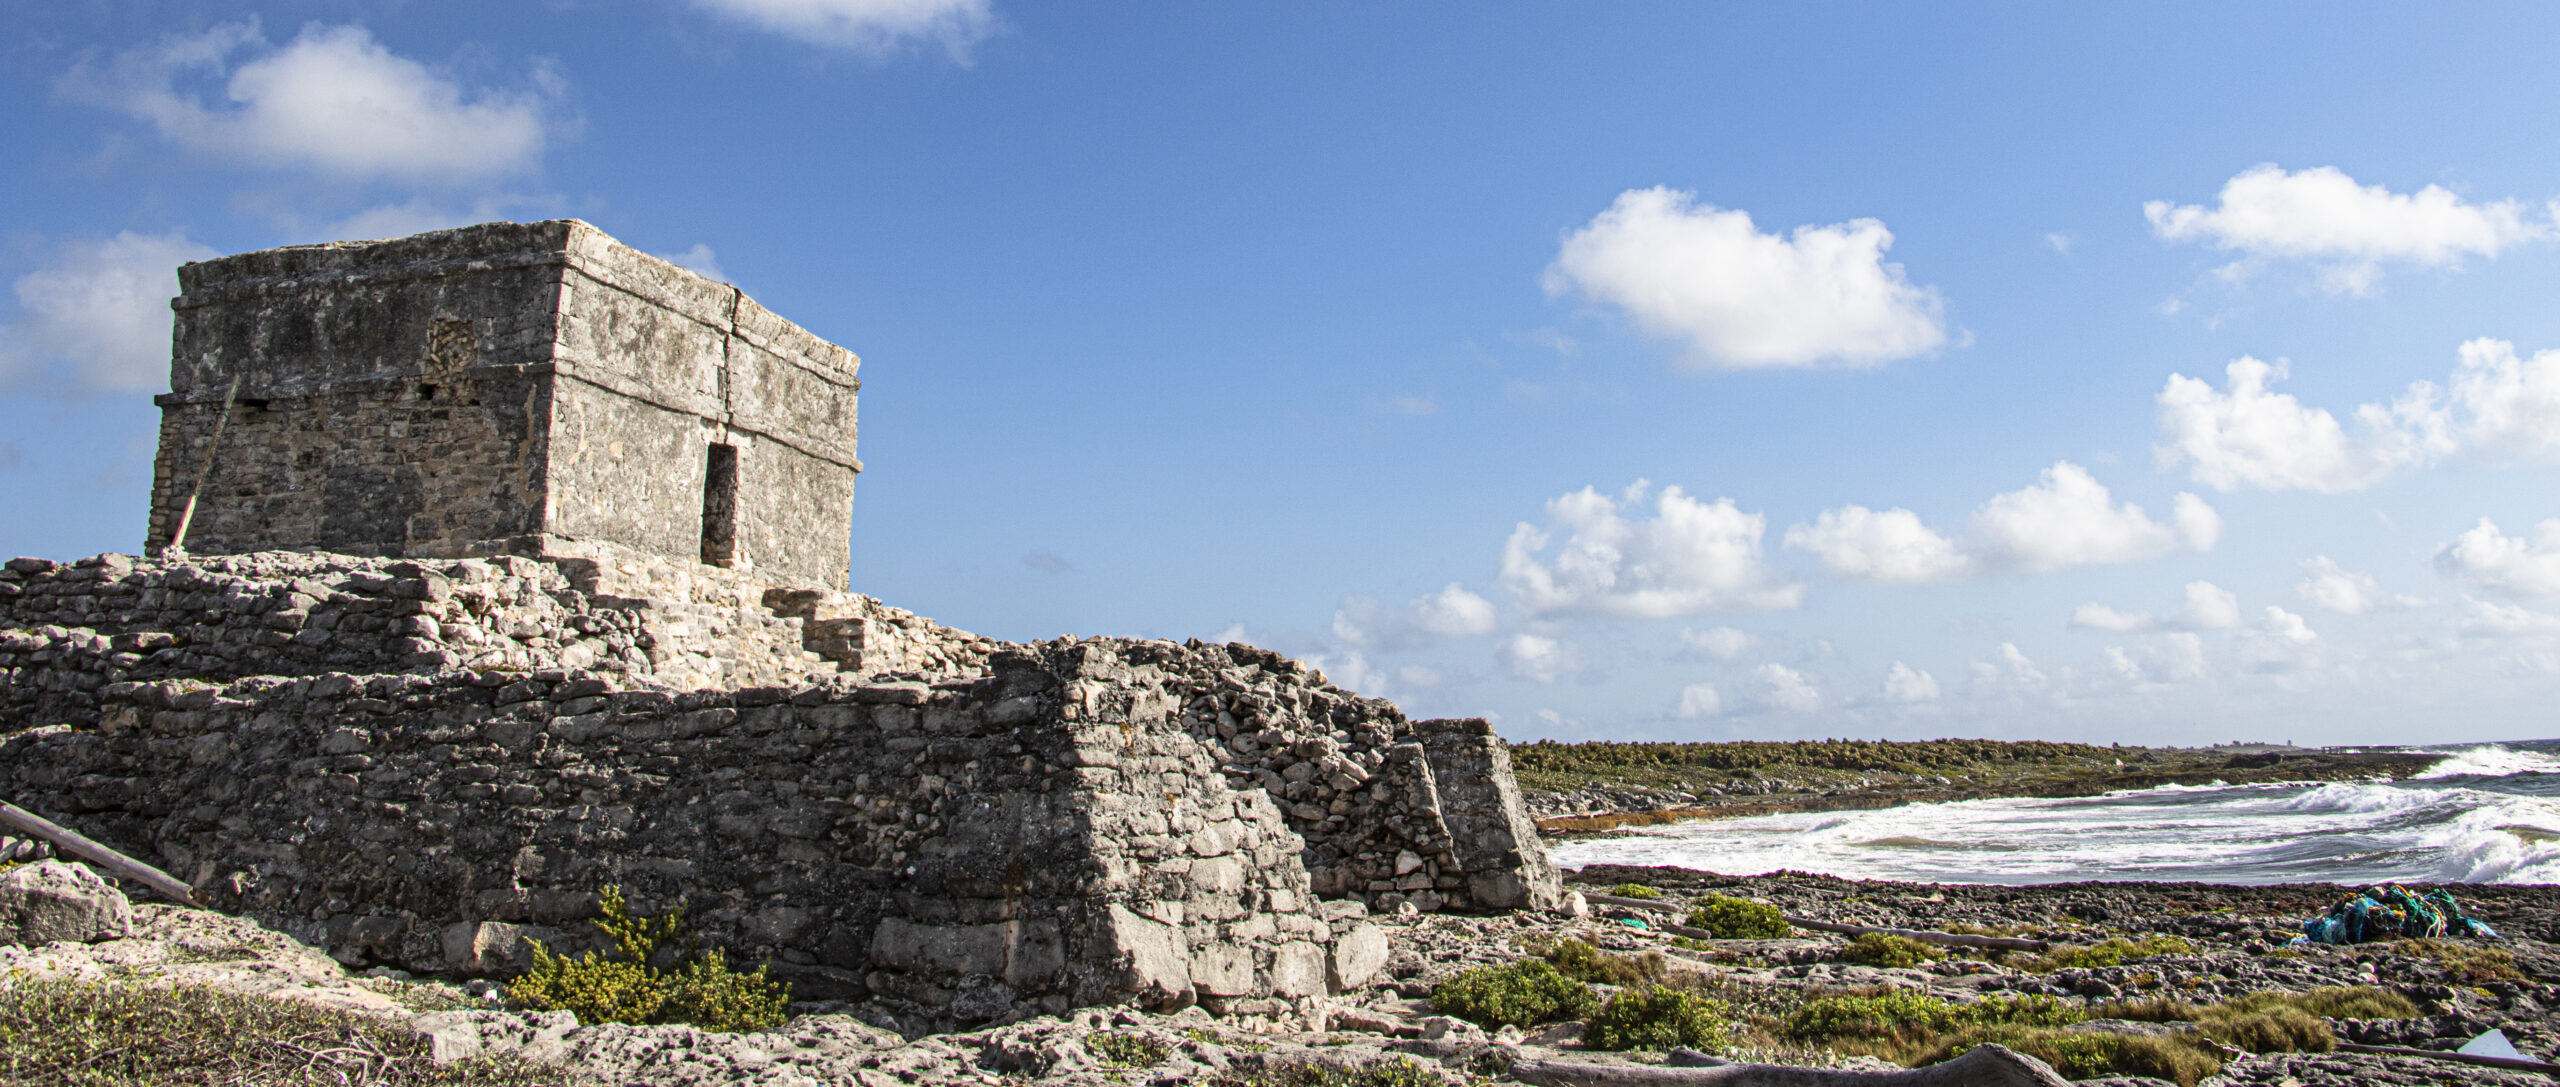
x=2349 y=832
x=2492 y=761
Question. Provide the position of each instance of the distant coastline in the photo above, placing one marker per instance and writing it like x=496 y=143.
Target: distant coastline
x=1600 y=788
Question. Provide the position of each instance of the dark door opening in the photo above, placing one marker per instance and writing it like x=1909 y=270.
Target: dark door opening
x=720 y=507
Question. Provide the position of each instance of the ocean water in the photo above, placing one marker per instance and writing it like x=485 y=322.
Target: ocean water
x=2486 y=814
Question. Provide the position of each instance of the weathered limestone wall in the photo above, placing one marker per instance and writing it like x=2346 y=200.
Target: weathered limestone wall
x=404 y=759
x=453 y=394
x=1041 y=837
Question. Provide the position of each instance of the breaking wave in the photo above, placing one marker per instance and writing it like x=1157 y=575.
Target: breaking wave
x=2484 y=815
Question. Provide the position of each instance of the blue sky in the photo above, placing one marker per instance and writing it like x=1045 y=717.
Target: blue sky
x=1615 y=371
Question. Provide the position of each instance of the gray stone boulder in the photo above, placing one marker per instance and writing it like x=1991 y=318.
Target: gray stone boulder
x=50 y=901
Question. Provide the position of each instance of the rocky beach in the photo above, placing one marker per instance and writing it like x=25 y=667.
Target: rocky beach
x=2118 y=959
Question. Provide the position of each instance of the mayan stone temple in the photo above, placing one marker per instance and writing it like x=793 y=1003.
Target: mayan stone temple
x=491 y=567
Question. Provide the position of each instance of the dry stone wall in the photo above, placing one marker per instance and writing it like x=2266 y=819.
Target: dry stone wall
x=424 y=764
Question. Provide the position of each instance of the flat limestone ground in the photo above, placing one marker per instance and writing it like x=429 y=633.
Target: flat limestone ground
x=1391 y=1035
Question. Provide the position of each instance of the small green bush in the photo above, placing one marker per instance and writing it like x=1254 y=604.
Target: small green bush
x=1522 y=994
x=705 y=991
x=1731 y=918
x=2112 y=951
x=1659 y=1017
x=1634 y=890
x=1878 y=949
x=1121 y=1049
x=1909 y=1016
x=1583 y=962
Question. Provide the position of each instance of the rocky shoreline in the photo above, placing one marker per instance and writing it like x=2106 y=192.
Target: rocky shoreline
x=1576 y=790
x=2213 y=943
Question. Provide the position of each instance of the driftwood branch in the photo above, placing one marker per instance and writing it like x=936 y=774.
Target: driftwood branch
x=77 y=844
x=2482 y=1060
x=1986 y=1065
x=1926 y=936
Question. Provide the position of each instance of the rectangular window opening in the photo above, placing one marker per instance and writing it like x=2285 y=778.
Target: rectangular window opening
x=720 y=507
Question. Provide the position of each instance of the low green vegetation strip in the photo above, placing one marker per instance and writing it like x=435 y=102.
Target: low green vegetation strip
x=1653 y=1007
x=130 y=1034
x=1744 y=773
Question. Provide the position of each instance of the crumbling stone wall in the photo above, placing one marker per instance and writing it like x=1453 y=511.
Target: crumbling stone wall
x=528 y=387
x=1040 y=837
x=399 y=761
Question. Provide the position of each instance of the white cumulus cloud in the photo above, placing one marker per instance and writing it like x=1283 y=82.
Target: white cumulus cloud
x=2244 y=436
x=1906 y=684
x=2483 y=619
x=95 y=319
x=1699 y=700
x=2067 y=518
x=2331 y=587
x=1890 y=547
x=2348 y=231
x=1785 y=688
x=1453 y=612
x=332 y=100
x=2497 y=405
x=2503 y=564
x=1719 y=643
x=2286 y=625
x=2170 y=659
x=2208 y=607
x=1533 y=657
x=869 y=26
x=1741 y=299
x=1691 y=557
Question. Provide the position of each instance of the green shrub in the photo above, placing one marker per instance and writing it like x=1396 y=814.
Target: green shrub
x=1522 y=994
x=705 y=991
x=1878 y=949
x=2112 y=951
x=1634 y=890
x=1909 y=1016
x=1895 y=1015
x=108 y=1034
x=1659 y=1017
x=1121 y=1049
x=1583 y=962
x=1731 y=918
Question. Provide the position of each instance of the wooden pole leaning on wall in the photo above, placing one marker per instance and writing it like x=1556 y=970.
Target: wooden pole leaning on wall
x=77 y=844
x=187 y=516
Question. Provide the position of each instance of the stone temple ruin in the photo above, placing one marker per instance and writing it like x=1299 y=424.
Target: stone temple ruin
x=517 y=569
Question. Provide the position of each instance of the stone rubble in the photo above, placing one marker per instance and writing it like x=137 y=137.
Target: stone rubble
x=50 y=901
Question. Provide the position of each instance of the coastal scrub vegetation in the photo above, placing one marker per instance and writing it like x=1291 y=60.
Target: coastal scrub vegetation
x=1885 y=950
x=1731 y=918
x=1520 y=994
x=1123 y=1049
x=2112 y=951
x=2468 y=962
x=1389 y=1072
x=706 y=991
x=121 y=1034
x=1582 y=962
x=1659 y=1017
